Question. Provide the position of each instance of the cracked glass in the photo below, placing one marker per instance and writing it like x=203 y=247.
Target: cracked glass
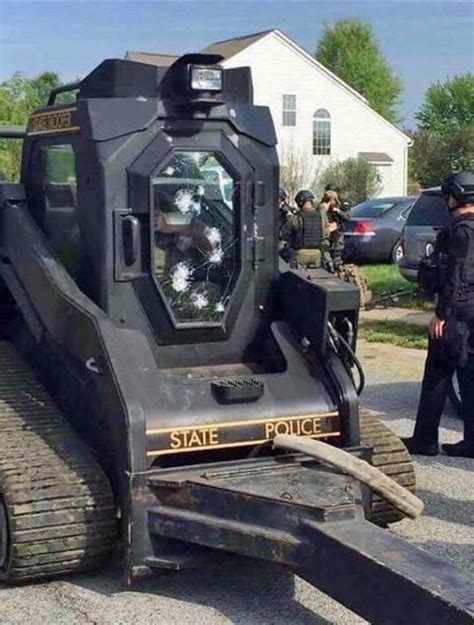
x=195 y=250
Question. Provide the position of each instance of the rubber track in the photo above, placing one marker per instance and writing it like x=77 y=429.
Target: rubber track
x=352 y=274
x=390 y=456
x=60 y=509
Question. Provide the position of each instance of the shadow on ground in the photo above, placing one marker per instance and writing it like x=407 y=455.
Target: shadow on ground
x=243 y=590
x=399 y=400
x=441 y=506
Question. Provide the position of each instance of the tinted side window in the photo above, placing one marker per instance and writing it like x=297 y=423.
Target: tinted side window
x=371 y=209
x=405 y=212
x=61 y=223
x=428 y=210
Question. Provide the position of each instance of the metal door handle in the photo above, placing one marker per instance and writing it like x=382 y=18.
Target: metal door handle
x=130 y=239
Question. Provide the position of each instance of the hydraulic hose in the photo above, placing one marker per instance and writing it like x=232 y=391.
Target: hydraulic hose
x=357 y=363
x=382 y=484
x=338 y=338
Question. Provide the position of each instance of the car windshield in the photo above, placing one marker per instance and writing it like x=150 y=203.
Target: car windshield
x=372 y=209
x=428 y=210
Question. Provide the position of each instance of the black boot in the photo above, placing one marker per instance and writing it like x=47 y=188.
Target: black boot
x=463 y=449
x=421 y=449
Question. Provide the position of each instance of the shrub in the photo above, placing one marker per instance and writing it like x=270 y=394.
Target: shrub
x=357 y=179
x=298 y=171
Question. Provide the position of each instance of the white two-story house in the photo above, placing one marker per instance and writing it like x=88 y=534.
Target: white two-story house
x=318 y=117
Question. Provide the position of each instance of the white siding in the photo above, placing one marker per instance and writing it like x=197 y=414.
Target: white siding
x=278 y=68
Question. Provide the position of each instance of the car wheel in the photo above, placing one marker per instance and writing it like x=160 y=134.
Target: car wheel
x=397 y=253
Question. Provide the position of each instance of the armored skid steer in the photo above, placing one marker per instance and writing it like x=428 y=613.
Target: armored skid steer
x=153 y=352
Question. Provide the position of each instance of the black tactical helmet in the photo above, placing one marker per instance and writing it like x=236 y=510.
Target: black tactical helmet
x=302 y=196
x=460 y=186
x=282 y=194
x=332 y=186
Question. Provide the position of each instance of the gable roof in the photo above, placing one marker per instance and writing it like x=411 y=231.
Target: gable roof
x=226 y=48
x=231 y=47
x=160 y=60
x=333 y=77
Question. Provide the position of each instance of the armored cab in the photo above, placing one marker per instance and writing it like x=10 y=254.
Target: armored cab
x=153 y=349
x=156 y=193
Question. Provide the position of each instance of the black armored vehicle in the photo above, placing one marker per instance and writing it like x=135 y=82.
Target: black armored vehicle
x=157 y=367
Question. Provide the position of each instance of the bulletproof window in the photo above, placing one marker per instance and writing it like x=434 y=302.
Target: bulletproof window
x=322 y=133
x=59 y=184
x=289 y=110
x=195 y=242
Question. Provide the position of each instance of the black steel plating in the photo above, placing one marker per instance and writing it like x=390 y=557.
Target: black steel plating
x=290 y=511
x=142 y=379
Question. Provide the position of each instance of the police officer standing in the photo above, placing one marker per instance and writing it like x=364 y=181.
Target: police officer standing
x=336 y=215
x=449 y=273
x=327 y=206
x=284 y=209
x=306 y=232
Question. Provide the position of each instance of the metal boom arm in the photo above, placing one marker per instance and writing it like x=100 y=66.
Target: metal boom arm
x=292 y=511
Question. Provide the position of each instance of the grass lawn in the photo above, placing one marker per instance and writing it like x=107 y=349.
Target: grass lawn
x=394 y=332
x=386 y=279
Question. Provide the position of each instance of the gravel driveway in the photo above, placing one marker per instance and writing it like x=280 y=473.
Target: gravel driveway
x=243 y=591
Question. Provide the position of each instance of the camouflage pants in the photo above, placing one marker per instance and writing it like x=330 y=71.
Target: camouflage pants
x=305 y=257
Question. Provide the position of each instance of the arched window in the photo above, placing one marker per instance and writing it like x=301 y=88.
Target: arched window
x=322 y=132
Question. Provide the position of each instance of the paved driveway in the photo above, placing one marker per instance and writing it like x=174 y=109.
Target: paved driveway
x=250 y=592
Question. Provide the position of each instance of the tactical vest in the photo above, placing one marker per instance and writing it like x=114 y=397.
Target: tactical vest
x=468 y=269
x=309 y=234
x=442 y=270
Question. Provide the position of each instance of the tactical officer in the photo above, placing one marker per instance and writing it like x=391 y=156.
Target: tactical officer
x=306 y=232
x=449 y=273
x=332 y=186
x=338 y=216
x=284 y=209
x=344 y=203
x=284 y=212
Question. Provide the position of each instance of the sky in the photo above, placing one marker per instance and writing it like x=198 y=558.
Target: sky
x=423 y=41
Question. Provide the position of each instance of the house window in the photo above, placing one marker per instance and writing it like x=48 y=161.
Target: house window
x=289 y=110
x=322 y=132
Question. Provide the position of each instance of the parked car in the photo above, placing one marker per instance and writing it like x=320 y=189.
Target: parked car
x=428 y=215
x=374 y=230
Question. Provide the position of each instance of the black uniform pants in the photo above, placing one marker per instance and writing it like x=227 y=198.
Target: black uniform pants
x=434 y=393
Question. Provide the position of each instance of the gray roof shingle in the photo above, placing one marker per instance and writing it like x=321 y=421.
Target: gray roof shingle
x=227 y=48
x=160 y=60
x=231 y=47
x=376 y=157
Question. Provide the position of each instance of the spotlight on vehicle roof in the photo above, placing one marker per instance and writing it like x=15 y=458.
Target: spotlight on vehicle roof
x=195 y=80
x=206 y=78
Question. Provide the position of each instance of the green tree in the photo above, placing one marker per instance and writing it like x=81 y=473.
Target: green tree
x=434 y=156
x=42 y=86
x=357 y=179
x=19 y=97
x=444 y=140
x=448 y=106
x=350 y=50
